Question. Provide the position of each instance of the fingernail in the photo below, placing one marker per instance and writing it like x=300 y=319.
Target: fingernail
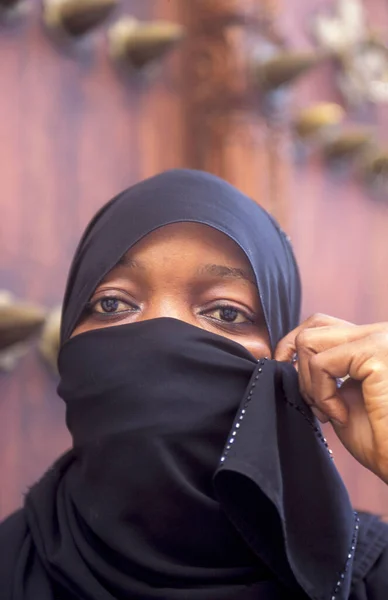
x=319 y=415
x=338 y=423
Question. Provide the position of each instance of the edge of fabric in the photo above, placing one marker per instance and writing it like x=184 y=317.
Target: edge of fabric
x=276 y=504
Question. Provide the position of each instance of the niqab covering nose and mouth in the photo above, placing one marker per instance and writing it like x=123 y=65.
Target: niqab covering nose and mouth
x=196 y=473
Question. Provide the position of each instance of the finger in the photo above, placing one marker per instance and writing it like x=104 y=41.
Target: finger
x=323 y=388
x=319 y=415
x=310 y=342
x=305 y=350
x=305 y=384
x=319 y=339
x=304 y=372
x=287 y=347
x=364 y=360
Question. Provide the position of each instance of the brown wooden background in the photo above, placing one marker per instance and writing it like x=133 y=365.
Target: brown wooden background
x=73 y=133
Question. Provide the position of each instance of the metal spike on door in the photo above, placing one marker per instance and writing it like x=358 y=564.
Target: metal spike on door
x=19 y=321
x=137 y=43
x=76 y=17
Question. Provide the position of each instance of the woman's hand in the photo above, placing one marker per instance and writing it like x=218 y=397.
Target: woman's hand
x=328 y=348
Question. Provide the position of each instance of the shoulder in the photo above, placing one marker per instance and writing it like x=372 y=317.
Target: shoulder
x=14 y=520
x=13 y=530
x=13 y=537
x=370 y=573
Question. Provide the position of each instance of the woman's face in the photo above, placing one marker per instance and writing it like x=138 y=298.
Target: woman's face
x=189 y=272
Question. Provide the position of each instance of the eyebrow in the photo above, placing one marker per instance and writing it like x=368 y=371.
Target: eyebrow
x=221 y=271
x=126 y=261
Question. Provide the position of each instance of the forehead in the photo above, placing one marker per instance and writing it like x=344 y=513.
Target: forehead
x=200 y=234
x=199 y=249
x=177 y=238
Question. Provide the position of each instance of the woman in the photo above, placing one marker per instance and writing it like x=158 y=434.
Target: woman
x=197 y=470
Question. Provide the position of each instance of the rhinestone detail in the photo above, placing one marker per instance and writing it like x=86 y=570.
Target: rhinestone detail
x=324 y=442
x=242 y=413
x=349 y=558
x=309 y=420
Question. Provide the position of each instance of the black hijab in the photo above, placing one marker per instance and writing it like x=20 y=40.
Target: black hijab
x=196 y=473
x=188 y=196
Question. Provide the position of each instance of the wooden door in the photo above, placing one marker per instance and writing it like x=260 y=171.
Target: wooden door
x=74 y=133
x=339 y=230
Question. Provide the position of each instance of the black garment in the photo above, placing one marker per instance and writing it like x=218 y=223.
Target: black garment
x=195 y=473
x=75 y=539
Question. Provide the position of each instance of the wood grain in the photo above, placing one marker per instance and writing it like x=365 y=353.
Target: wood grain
x=74 y=133
x=339 y=232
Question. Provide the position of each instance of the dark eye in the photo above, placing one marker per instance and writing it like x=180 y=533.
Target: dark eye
x=110 y=306
x=229 y=314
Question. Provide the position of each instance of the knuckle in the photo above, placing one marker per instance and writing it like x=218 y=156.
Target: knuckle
x=285 y=348
x=288 y=344
x=320 y=319
x=303 y=338
x=315 y=362
x=380 y=339
x=377 y=366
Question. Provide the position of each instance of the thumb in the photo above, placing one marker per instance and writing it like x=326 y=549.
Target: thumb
x=285 y=350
